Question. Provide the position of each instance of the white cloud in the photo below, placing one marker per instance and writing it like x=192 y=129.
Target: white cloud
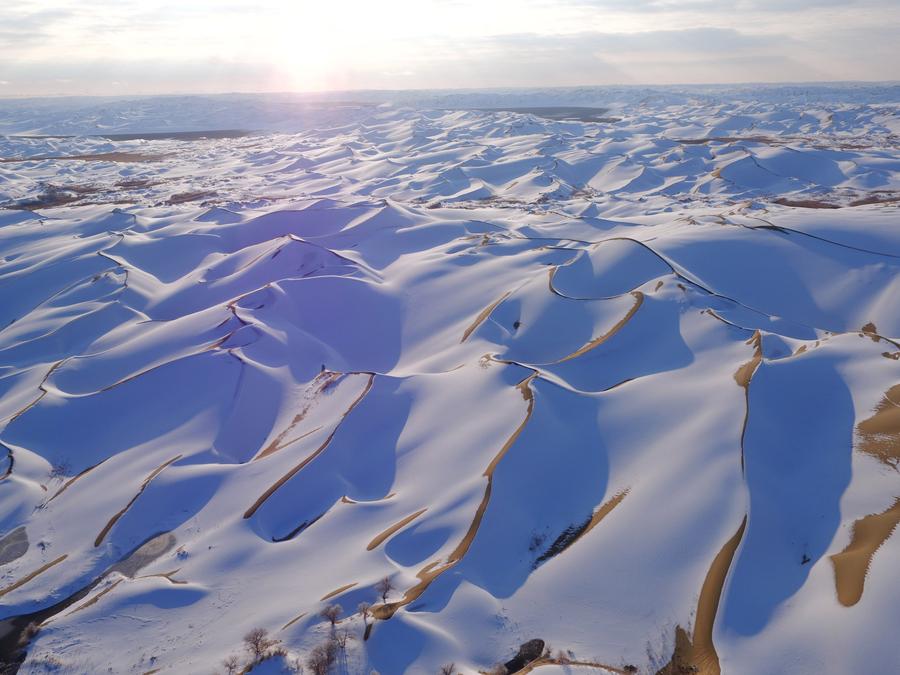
x=204 y=45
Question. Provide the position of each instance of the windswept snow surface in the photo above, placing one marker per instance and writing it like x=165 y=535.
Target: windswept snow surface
x=631 y=387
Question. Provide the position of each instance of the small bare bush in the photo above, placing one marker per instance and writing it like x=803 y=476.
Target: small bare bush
x=384 y=588
x=341 y=639
x=332 y=613
x=232 y=665
x=322 y=657
x=447 y=669
x=28 y=634
x=258 y=643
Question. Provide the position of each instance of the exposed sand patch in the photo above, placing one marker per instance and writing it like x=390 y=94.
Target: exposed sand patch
x=293 y=621
x=126 y=157
x=805 y=203
x=290 y=474
x=69 y=482
x=97 y=597
x=13 y=636
x=302 y=527
x=879 y=435
x=572 y=535
x=168 y=576
x=147 y=480
x=322 y=383
x=744 y=374
x=179 y=135
x=483 y=315
x=852 y=564
x=377 y=541
x=561 y=113
x=596 y=342
x=337 y=591
x=28 y=577
x=185 y=197
x=698 y=655
x=550 y=661
x=55 y=195
x=433 y=570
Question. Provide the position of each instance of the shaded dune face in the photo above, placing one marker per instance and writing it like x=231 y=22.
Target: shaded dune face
x=516 y=377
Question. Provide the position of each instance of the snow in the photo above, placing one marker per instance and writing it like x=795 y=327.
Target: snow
x=537 y=372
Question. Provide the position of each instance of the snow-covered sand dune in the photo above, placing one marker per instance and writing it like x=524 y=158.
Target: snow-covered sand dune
x=630 y=387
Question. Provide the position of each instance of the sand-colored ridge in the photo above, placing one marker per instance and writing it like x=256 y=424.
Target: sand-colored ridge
x=852 y=564
x=97 y=597
x=380 y=539
x=65 y=486
x=302 y=527
x=553 y=661
x=124 y=157
x=681 y=662
x=601 y=513
x=322 y=383
x=879 y=435
x=699 y=653
x=433 y=570
x=597 y=341
x=235 y=323
x=318 y=451
x=743 y=376
x=573 y=535
x=28 y=577
x=168 y=576
x=147 y=481
x=483 y=315
x=744 y=373
x=275 y=446
x=294 y=620
x=338 y=591
x=43 y=392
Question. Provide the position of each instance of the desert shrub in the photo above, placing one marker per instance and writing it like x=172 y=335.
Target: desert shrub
x=232 y=665
x=331 y=613
x=322 y=657
x=258 y=643
x=384 y=588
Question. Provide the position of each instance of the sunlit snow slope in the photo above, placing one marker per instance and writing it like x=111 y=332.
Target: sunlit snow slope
x=631 y=387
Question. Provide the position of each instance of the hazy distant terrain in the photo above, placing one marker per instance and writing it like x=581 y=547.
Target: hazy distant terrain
x=627 y=386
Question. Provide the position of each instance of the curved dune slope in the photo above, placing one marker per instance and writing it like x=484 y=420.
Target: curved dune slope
x=558 y=380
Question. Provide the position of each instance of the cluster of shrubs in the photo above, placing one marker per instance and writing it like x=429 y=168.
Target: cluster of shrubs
x=260 y=647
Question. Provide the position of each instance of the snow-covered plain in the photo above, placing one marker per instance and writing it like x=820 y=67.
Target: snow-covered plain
x=631 y=387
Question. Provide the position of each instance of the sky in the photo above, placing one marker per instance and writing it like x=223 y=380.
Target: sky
x=117 y=47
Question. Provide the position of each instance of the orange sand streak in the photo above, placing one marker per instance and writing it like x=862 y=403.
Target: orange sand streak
x=290 y=474
x=596 y=342
x=377 y=541
x=485 y=313
x=337 y=591
x=24 y=580
x=852 y=564
x=433 y=570
x=115 y=518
